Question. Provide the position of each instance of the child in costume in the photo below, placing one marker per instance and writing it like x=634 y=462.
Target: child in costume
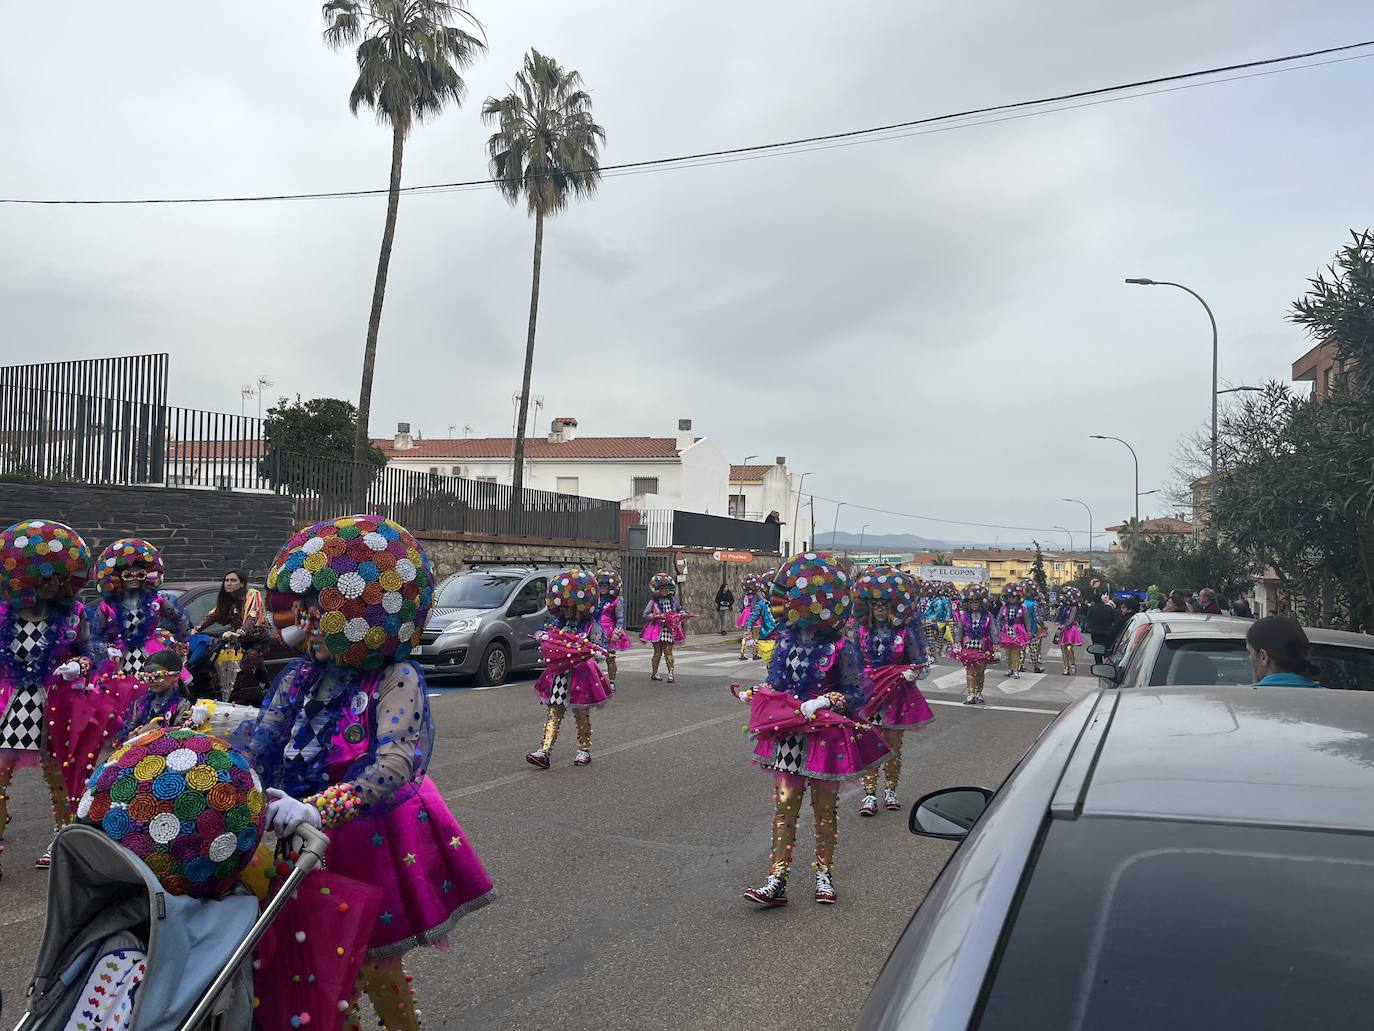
x=610 y=614
x=893 y=650
x=346 y=736
x=570 y=644
x=803 y=720
x=163 y=700
x=125 y=624
x=938 y=615
x=1069 y=635
x=1035 y=623
x=749 y=591
x=663 y=621
x=761 y=629
x=1014 y=628
x=44 y=659
x=975 y=641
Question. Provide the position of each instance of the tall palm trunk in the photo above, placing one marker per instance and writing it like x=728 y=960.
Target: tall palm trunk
x=518 y=475
x=363 y=441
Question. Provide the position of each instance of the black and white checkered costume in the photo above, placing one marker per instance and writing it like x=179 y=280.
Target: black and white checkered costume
x=789 y=753
x=558 y=694
x=21 y=728
x=130 y=616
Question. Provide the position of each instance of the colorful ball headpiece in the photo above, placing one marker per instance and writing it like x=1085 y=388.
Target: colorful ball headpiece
x=125 y=554
x=374 y=581
x=886 y=584
x=812 y=592
x=37 y=549
x=750 y=583
x=1073 y=594
x=766 y=579
x=663 y=583
x=608 y=582
x=573 y=594
x=185 y=803
x=975 y=592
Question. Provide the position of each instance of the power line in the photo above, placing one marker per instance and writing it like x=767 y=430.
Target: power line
x=799 y=145
x=934 y=519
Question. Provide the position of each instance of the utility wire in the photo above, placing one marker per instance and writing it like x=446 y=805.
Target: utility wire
x=799 y=145
x=934 y=519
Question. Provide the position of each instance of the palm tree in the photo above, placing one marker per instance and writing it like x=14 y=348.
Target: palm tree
x=546 y=149
x=1132 y=530
x=409 y=56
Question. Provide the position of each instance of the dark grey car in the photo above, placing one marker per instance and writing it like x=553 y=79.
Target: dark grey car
x=1178 y=858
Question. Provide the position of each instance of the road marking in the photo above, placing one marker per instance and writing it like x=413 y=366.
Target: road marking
x=1025 y=682
x=996 y=708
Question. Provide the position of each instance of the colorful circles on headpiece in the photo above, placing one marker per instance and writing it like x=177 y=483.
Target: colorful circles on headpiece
x=812 y=592
x=608 y=582
x=1073 y=594
x=37 y=549
x=185 y=803
x=373 y=580
x=975 y=592
x=663 y=583
x=889 y=585
x=573 y=594
x=126 y=555
x=749 y=582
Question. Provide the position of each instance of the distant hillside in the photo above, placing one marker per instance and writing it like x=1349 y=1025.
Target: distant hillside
x=888 y=542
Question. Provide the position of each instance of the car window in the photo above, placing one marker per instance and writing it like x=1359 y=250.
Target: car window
x=197 y=605
x=533 y=597
x=1344 y=669
x=476 y=591
x=1135 y=925
x=1202 y=662
x=1129 y=639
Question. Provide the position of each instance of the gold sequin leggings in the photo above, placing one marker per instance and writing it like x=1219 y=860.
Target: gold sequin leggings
x=555 y=721
x=52 y=773
x=892 y=769
x=1014 y=660
x=392 y=995
x=973 y=678
x=610 y=666
x=788 y=789
x=663 y=651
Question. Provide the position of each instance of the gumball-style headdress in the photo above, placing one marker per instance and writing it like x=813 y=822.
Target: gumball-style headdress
x=749 y=583
x=886 y=584
x=975 y=592
x=185 y=803
x=1073 y=594
x=36 y=549
x=663 y=583
x=573 y=595
x=608 y=583
x=127 y=553
x=812 y=592
x=374 y=582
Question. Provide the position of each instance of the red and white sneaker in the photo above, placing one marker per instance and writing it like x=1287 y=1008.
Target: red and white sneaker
x=773 y=893
x=539 y=758
x=45 y=860
x=584 y=758
x=869 y=806
x=890 y=800
x=825 y=889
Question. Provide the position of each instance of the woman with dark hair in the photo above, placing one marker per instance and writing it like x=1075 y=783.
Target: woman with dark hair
x=1279 y=653
x=239 y=609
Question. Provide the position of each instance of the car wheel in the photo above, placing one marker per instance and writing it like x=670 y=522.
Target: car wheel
x=495 y=665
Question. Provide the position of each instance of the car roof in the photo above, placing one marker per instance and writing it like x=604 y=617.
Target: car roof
x=1270 y=756
x=511 y=570
x=1202 y=624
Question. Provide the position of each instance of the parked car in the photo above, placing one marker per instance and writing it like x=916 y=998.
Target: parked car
x=198 y=598
x=484 y=619
x=1156 y=649
x=1182 y=858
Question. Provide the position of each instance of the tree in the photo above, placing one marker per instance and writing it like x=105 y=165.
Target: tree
x=1038 y=569
x=310 y=447
x=1173 y=562
x=546 y=149
x=1132 y=529
x=409 y=57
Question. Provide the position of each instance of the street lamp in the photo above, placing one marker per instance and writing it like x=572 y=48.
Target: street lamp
x=1237 y=390
x=796 y=517
x=835 y=526
x=1212 y=484
x=745 y=513
x=1069 y=532
x=1075 y=501
x=861 y=538
x=1098 y=436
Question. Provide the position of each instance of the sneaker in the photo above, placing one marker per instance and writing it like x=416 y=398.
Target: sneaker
x=1039 y=669
x=655 y=676
x=825 y=888
x=671 y=679
x=1073 y=671
x=978 y=699
x=773 y=893
x=45 y=860
x=584 y=758
x=890 y=800
x=539 y=758
x=743 y=657
x=869 y=805
x=969 y=700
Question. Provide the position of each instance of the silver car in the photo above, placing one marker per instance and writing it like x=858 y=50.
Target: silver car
x=483 y=621
x=1180 y=858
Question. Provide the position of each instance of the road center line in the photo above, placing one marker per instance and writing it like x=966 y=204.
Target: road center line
x=996 y=708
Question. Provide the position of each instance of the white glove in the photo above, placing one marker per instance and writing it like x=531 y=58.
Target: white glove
x=909 y=674
x=199 y=715
x=69 y=671
x=285 y=814
x=114 y=653
x=811 y=707
x=293 y=636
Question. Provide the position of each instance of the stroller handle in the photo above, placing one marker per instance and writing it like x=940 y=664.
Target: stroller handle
x=310 y=844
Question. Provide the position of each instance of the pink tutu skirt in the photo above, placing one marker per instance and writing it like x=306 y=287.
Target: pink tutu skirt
x=659 y=632
x=1071 y=635
x=617 y=640
x=973 y=656
x=587 y=687
x=1015 y=636
x=426 y=868
x=907 y=709
x=742 y=620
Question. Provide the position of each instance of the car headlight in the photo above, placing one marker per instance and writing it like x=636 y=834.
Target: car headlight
x=462 y=626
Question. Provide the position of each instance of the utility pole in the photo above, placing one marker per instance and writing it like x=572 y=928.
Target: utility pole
x=813 y=521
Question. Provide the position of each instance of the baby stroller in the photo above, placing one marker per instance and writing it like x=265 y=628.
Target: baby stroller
x=198 y=951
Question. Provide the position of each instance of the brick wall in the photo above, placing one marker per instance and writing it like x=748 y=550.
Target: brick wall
x=201 y=533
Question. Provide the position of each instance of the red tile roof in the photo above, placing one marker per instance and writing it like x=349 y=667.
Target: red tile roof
x=748 y=473
x=536 y=447
x=1162 y=524
x=211 y=450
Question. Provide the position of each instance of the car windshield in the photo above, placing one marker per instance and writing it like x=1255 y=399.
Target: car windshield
x=1201 y=661
x=1134 y=925
x=476 y=591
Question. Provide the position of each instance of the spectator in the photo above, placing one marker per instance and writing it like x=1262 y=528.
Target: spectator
x=1177 y=602
x=1101 y=622
x=725 y=603
x=1241 y=608
x=1279 y=653
x=1207 y=602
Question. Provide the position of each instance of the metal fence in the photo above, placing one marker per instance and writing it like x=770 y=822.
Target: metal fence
x=694 y=530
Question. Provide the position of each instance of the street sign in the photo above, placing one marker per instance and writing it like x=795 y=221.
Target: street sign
x=732 y=556
x=954 y=574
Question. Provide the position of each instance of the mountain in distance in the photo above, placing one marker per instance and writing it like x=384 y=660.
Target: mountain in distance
x=899 y=542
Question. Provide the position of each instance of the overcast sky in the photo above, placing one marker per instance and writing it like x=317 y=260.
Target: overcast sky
x=932 y=324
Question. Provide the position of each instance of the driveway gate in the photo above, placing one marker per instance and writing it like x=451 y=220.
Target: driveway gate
x=635 y=570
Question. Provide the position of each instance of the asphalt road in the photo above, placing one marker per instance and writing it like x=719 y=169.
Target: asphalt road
x=620 y=883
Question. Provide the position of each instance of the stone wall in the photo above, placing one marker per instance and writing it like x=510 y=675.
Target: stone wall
x=703 y=580
x=451 y=552
x=201 y=533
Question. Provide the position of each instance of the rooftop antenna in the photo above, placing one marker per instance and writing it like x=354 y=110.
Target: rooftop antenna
x=263 y=383
x=451 y=427
x=467 y=431
x=245 y=392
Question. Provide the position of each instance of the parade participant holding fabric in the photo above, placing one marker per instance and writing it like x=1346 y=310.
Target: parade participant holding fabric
x=663 y=621
x=1069 y=636
x=938 y=614
x=1014 y=628
x=975 y=641
x=761 y=629
x=346 y=736
x=570 y=644
x=610 y=614
x=1032 y=605
x=803 y=720
x=44 y=661
x=125 y=624
x=892 y=646
x=749 y=597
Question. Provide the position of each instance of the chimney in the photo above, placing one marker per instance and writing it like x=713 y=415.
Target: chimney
x=685 y=439
x=782 y=459
x=562 y=430
x=404 y=441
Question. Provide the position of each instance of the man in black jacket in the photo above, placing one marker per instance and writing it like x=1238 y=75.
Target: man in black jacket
x=725 y=602
x=1101 y=622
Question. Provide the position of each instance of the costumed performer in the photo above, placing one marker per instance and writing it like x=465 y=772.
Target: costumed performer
x=1068 y=635
x=610 y=613
x=761 y=630
x=975 y=641
x=125 y=624
x=1013 y=628
x=570 y=644
x=346 y=736
x=1035 y=623
x=663 y=621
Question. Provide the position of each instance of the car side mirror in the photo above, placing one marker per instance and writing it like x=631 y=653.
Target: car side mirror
x=1105 y=670
x=1097 y=649
x=949 y=813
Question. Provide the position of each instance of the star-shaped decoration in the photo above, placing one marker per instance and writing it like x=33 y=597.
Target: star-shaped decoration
x=410 y=858
x=376 y=839
x=386 y=918
x=448 y=887
x=454 y=841
x=424 y=816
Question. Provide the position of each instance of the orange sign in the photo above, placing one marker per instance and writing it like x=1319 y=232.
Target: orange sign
x=732 y=556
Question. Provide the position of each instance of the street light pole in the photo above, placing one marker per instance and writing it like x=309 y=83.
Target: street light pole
x=1069 y=532
x=861 y=538
x=1098 y=436
x=1090 y=520
x=796 y=517
x=835 y=526
x=745 y=513
x=1212 y=485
